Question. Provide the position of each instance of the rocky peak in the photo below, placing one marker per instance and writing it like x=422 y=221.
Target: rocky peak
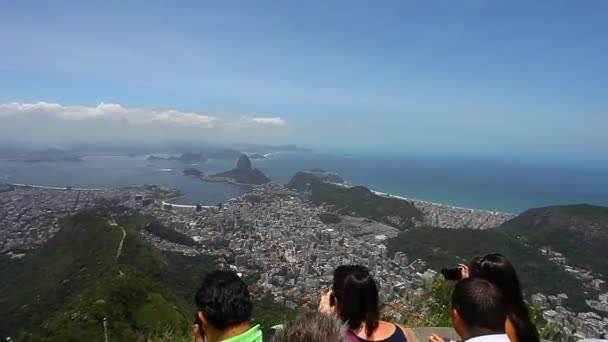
x=244 y=163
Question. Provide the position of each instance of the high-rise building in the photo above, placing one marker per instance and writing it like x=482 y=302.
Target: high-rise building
x=382 y=249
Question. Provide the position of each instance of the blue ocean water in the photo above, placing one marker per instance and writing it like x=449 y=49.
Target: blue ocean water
x=118 y=171
x=511 y=186
x=508 y=185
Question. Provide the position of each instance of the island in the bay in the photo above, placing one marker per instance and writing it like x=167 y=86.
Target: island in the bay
x=243 y=173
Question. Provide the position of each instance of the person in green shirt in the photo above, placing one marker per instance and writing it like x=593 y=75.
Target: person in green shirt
x=224 y=310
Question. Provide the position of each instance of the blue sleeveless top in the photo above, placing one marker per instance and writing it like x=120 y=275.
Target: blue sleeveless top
x=397 y=336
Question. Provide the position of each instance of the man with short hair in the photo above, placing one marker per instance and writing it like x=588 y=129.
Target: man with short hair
x=224 y=310
x=479 y=312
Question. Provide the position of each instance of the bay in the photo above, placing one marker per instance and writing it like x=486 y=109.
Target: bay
x=498 y=185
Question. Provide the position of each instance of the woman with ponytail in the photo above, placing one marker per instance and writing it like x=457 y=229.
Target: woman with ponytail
x=496 y=269
x=354 y=298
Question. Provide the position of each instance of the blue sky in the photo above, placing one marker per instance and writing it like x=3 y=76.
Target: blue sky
x=465 y=76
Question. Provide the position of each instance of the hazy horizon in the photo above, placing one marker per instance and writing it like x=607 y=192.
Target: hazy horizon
x=474 y=78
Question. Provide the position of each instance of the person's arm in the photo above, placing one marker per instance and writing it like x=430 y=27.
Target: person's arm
x=197 y=334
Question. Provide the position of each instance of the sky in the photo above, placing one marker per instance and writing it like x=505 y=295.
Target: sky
x=496 y=77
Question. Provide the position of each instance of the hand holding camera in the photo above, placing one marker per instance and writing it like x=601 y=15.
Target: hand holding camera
x=456 y=273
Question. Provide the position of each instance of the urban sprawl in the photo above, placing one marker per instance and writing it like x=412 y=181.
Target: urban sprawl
x=277 y=234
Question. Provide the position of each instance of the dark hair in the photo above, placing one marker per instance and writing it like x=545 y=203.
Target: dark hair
x=224 y=300
x=480 y=304
x=499 y=271
x=357 y=296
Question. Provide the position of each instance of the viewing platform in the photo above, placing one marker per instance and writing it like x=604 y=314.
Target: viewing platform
x=422 y=334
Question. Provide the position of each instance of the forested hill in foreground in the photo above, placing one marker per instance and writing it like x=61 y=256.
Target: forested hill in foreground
x=448 y=247
x=63 y=290
x=579 y=232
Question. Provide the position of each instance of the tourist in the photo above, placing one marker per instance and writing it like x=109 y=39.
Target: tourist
x=496 y=269
x=354 y=298
x=313 y=327
x=224 y=310
x=479 y=311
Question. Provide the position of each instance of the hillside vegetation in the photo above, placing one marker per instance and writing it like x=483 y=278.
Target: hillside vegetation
x=448 y=247
x=64 y=290
x=579 y=232
x=357 y=201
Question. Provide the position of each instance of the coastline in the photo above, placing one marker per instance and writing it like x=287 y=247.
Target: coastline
x=449 y=216
x=54 y=187
x=444 y=205
x=188 y=206
x=425 y=202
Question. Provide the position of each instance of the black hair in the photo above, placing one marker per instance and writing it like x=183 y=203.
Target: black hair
x=499 y=271
x=357 y=296
x=480 y=305
x=224 y=300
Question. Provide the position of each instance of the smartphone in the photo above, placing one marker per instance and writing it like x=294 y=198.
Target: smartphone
x=451 y=273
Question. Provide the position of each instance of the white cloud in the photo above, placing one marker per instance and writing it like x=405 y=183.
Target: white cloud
x=270 y=121
x=116 y=121
x=110 y=111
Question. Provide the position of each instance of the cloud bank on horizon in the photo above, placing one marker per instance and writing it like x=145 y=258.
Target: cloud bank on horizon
x=44 y=122
x=474 y=77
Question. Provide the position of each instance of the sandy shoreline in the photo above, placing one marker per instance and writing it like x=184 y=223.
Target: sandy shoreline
x=384 y=194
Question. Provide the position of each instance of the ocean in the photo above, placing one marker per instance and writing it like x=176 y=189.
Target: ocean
x=509 y=186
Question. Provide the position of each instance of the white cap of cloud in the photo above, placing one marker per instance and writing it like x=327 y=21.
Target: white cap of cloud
x=53 y=120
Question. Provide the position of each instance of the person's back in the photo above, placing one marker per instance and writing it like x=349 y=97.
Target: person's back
x=385 y=332
x=355 y=301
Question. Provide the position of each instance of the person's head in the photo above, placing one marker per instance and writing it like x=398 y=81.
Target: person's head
x=223 y=303
x=496 y=269
x=313 y=327
x=356 y=297
x=499 y=271
x=478 y=308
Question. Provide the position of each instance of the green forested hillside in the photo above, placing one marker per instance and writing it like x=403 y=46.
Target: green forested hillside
x=448 y=247
x=358 y=201
x=579 y=232
x=63 y=291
